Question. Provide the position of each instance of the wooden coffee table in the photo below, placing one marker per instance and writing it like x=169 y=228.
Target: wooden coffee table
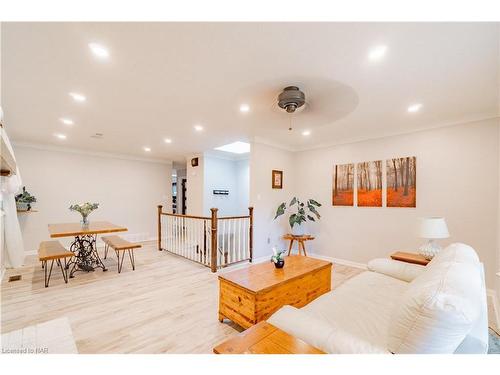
x=264 y=338
x=252 y=294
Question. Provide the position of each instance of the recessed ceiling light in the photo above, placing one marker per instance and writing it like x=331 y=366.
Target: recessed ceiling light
x=168 y=140
x=244 y=108
x=77 y=97
x=60 y=136
x=306 y=132
x=377 y=53
x=414 y=107
x=99 y=50
x=198 y=128
x=147 y=149
x=67 y=121
x=235 y=147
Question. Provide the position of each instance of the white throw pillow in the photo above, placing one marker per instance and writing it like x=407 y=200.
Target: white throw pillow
x=438 y=310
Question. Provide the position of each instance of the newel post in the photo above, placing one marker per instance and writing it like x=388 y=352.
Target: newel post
x=250 y=212
x=159 y=227
x=213 y=247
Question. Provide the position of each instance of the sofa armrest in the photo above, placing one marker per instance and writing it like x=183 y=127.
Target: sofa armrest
x=319 y=333
x=395 y=268
x=302 y=325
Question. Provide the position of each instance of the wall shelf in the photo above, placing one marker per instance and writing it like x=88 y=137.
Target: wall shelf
x=8 y=163
x=26 y=211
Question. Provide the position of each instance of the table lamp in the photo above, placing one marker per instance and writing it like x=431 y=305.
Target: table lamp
x=432 y=228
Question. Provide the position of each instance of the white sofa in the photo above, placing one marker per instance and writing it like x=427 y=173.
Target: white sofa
x=398 y=307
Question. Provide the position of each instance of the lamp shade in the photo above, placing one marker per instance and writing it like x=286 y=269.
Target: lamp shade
x=433 y=227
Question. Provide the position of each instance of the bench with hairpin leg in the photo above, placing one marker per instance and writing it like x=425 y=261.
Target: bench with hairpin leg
x=119 y=245
x=53 y=251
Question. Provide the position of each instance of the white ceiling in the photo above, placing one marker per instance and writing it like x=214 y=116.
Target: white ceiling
x=163 y=78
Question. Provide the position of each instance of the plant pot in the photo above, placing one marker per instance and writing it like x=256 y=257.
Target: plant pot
x=299 y=230
x=23 y=206
x=279 y=263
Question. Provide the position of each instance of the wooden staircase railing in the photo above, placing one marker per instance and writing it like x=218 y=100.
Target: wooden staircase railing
x=212 y=241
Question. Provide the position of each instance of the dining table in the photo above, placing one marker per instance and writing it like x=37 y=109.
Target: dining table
x=84 y=244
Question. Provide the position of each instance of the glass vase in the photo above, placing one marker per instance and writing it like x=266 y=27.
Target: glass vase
x=85 y=221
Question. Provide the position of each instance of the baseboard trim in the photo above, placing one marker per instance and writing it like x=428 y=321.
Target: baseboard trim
x=243 y=264
x=263 y=259
x=343 y=262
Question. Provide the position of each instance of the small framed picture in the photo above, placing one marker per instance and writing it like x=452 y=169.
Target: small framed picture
x=277 y=179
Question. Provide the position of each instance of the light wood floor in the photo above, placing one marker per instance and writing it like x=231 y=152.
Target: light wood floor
x=167 y=305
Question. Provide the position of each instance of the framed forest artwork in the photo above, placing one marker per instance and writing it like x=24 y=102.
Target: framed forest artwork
x=402 y=182
x=343 y=185
x=369 y=175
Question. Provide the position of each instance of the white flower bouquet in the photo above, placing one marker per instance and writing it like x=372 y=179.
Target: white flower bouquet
x=84 y=209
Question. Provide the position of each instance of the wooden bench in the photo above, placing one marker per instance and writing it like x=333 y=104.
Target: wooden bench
x=118 y=244
x=54 y=251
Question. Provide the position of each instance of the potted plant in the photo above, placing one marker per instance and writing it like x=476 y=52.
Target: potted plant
x=278 y=258
x=300 y=213
x=84 y=209
x=24 y=200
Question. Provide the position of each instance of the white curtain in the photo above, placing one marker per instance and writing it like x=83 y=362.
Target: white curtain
x=13 y=240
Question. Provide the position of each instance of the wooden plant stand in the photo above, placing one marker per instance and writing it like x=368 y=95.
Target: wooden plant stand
x=301 y=241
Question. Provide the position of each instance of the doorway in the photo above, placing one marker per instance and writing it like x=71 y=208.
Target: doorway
x=183 y=203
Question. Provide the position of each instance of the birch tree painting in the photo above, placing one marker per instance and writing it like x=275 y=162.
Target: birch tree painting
x=402 y=182
x=343 y=182
x=370 y=184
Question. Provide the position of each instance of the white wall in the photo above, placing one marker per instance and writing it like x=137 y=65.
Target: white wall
x=498 y=229
x=128 y=191
x=2 y=247
x=498 y=217
x=226 y=174
x=457 y=177
x=265 y=199
x=243 y=186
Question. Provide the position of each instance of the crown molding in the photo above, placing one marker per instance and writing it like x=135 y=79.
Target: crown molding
x=471 y=120
x=45 y=147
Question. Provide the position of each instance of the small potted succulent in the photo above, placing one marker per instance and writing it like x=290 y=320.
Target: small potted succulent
x=278 y=258
x=84 y=209
x=24 y=200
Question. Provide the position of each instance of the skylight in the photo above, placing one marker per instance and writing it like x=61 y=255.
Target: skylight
x=235 y=147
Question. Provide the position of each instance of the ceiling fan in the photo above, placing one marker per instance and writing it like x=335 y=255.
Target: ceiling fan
x=290 y=99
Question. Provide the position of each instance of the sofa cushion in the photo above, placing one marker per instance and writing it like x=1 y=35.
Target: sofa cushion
x=357 y=313
x=394 y=268
x=439 y=308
